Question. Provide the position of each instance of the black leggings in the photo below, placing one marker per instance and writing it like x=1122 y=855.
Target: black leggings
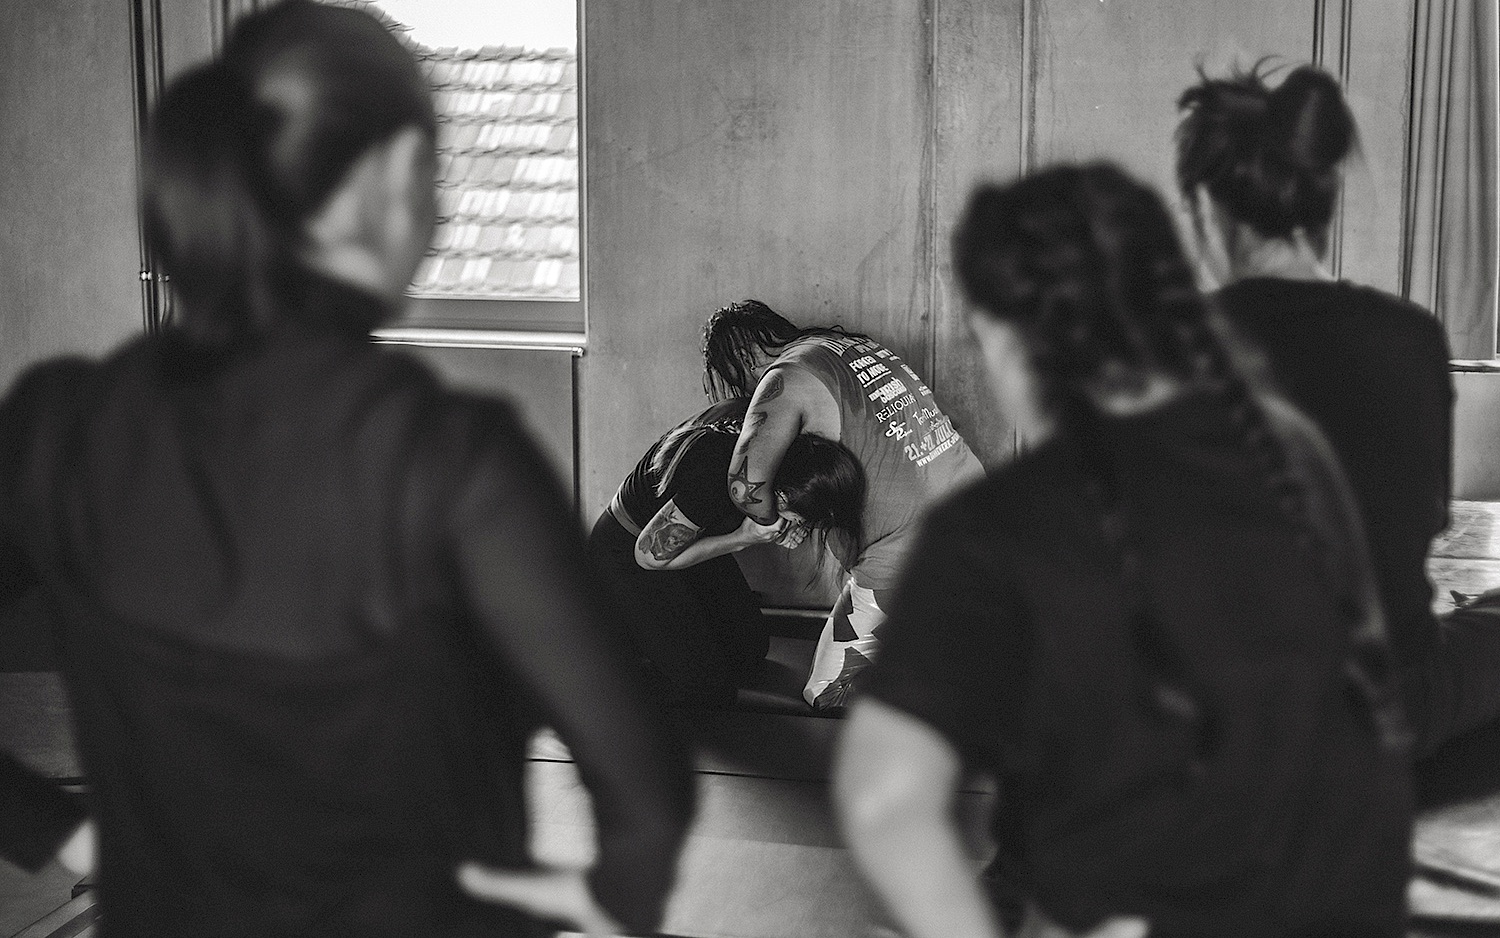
x=699 y=631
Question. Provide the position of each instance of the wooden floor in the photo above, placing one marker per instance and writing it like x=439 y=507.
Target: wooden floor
x=763 y=859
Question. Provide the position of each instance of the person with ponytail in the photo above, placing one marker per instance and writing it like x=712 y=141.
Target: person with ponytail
x=1261 y=169
x=311 y=606
x=1173 y=655
x=664 y=544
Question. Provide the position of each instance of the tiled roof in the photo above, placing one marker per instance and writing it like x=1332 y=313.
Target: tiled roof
x=508 y=174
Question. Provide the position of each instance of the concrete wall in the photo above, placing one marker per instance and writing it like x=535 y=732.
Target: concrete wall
x=815 y=155
x=69 y=255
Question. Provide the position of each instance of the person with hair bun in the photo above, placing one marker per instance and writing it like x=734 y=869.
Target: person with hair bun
x=1171 y=654
x=664 y=544
x=311 y=605
x=1261 y=169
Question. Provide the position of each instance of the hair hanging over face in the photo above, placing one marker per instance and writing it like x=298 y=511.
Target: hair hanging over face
x=1270 y=158
x=242 y=152
x=733 y=335
x=823 y=482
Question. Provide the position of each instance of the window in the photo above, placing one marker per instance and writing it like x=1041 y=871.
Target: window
x=506 y=253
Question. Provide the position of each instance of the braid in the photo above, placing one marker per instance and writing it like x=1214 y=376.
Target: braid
x=1086 y=264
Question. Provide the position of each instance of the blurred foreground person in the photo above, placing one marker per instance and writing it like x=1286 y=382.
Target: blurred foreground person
x=311 y=606
x=1157 y=628
x=1261 y=168
x=850 y=388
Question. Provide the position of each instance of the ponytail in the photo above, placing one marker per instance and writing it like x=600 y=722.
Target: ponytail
x=241 y=153
x=202 y=215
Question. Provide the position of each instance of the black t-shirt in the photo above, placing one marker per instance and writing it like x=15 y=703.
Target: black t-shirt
x=1012 y=633
x=1371 y=370
x=697 y=481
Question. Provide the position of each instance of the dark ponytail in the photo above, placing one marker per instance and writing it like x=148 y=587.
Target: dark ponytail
x=1270 y=158
x=241 y=153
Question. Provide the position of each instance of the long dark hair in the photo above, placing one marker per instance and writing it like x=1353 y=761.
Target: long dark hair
x=733 y=334
x=821 y=479
x=1269 y=157
x=243 y=151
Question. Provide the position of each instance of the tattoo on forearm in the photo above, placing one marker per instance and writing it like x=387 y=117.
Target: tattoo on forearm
x=666 y=538
x=771 y=388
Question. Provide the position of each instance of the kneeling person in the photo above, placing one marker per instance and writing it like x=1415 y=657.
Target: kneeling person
x=665 y=539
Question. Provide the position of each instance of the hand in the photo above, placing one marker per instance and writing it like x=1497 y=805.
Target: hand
x=753 y=532
x=794 y=535
x=551 y=894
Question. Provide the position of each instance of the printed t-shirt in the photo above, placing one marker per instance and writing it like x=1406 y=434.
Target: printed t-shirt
x=909 y=450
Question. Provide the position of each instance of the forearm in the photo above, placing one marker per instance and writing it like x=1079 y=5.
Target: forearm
x=917 y=863
x=895 y=784
x=707 y=548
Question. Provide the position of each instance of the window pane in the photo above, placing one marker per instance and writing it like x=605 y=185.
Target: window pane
x=505 y=74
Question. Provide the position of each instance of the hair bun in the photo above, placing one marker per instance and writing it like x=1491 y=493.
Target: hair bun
x=1307 y=122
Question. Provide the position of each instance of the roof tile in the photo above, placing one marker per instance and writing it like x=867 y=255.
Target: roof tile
x=508 y=163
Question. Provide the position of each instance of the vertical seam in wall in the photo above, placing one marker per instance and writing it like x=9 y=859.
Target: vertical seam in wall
x=145 y=23
x=580 y=60
x=1318 y=38
x=1440 y=162
x=1410 y=167
x=1029 y=73
x=1346 y=29
x=929 y=193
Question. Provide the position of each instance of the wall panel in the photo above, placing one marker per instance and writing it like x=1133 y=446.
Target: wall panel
x=771 y=149
x=68 y=248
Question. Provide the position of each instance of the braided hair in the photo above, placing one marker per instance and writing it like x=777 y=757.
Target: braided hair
x=1269 y=157
x=1086 y=264
x=734 y=333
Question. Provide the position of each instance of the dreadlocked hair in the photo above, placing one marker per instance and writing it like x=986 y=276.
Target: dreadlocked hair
x=1086 y=264
x=734 y=333
x=1268 y=157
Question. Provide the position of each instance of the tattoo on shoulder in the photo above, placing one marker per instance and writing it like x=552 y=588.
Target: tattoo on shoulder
x=771 y=388
x=753 y=422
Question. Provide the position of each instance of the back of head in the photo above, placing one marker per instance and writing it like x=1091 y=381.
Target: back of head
x=1086 y=264
x=243 y=151
x=731 y=338
x=1269 y=158
x=823 y=481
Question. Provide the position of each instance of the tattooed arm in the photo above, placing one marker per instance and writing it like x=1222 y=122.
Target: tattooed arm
x=787 y=402
x=671 y=541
